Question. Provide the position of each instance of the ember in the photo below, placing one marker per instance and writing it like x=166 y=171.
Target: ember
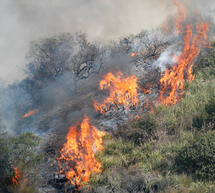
x=122 y=91
x=77 y=159
x=29 y=113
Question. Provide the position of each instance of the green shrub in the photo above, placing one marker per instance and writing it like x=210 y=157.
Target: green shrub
x=205 y=120
x=210 y=114
x=192 y=112
x=206 y=63
x=198 y=157
x=141 y=130
x=6 y=172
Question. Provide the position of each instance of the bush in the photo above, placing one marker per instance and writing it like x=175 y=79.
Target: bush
x=210 y=114
x=18 y=152
x=206 y=62
x=197 y=157
x=6 y=172
x=192 y=111
x=140 y=130
x=206 y=120
x=128 y=181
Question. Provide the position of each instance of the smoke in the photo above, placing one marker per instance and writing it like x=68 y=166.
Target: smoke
x=26 y=20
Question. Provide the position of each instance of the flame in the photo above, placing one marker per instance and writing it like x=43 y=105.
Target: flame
x=29 y=113
x=77 y=159
x=147 y=91
x=173 y=80
x=133 y=54
x=122 y=91
x=15 y=179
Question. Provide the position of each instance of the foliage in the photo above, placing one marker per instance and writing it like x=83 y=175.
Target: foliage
x=206 y=63
x=140 y=130
x=182 y=157
x=191 y=111
x=51 y=57
x=18 y=152
x=198 y=156
x=5 y=169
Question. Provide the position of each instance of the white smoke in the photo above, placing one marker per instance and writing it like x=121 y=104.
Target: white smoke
x=23 y=21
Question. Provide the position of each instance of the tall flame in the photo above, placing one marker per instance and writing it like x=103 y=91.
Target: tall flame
x=77 y=159
x=173 y=80
x=15 y=178
x=122 y=91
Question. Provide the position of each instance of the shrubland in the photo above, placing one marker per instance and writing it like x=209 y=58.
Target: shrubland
x=171 y=150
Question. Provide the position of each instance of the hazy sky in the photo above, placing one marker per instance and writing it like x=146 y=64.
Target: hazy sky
x=22 y=21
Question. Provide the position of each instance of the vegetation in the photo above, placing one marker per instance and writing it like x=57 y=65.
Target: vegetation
x=172 y=150
x=18 y=152
x=198 y=156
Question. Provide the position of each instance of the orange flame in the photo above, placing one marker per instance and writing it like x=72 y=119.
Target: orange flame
x=78 y=153
x=133 y=54
x=122 y=91
x=15 y=179
x=138 y=53
x=29 y=113
x=173 y=80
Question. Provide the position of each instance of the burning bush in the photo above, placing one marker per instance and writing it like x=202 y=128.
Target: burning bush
x=77 y=160
x=122 y=91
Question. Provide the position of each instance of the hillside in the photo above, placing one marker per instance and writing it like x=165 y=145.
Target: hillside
x=136 y=115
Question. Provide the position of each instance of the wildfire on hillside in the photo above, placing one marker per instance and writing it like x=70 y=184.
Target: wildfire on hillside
x=173 y=80
x=77 y=157
x=122 y=91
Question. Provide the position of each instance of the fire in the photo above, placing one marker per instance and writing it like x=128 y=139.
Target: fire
x=29 y=113
x=15 y=179
x=133 y=54
x=122 y=91
x=173 y=80
x=77 y=159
